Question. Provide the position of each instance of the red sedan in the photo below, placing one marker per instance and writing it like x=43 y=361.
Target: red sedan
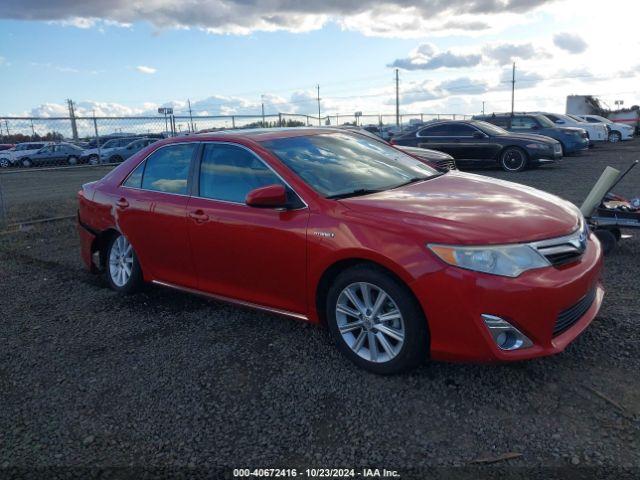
x=400 y=261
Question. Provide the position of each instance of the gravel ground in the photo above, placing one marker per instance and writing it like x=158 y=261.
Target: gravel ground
x=165 y=379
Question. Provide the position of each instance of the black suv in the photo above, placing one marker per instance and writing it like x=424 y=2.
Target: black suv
x=473 y=142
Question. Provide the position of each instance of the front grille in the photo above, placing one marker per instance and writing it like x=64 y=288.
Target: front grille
x=563 y=250
x=571 y=315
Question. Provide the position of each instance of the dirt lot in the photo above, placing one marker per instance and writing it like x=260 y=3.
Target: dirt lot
x=170 y=380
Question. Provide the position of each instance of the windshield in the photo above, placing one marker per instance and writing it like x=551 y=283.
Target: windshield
x=337 y=164
x=602 y=119
x=545 y=122
x=489 y=128
x=577 y=119
x=111 y=143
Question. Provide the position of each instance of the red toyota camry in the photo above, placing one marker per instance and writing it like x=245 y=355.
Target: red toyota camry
x=401 y=262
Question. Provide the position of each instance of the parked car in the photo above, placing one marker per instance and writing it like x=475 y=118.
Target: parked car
x=439 y=160
x=617 y=131
x=6 y=146
x=597 y=131
x=12 y=156
x=119 y=154
x=573 y=140
x=55 y=154
x=474 y=143
x=94 y=155
x=402 y=262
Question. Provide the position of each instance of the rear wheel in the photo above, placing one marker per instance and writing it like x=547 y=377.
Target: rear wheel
x=513 y=159
x=5 y=163
x=615 y=137
x=72 y=160
x=26 y=163
x=123 y=270
x=376 y=322
x=94 y=160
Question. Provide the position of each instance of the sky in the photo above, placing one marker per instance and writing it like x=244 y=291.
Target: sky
x=230 y=56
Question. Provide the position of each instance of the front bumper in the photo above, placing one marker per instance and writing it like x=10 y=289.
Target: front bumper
x=575 y=145
x=454 y=300
x=545 y=156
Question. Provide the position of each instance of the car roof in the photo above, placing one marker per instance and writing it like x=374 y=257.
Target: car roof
x=262 y=134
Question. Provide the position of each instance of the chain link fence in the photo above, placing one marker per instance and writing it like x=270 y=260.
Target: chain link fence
x=50 y=158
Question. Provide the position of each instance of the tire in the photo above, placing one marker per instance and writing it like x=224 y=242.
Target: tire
x=26 y=163
x=119 y=255
x=607 y=240
x=115 y=159
x=390 y=354
x=5 y=163
x=73 y=160
x=93 y=160
x=513 y=159
x=614 y=137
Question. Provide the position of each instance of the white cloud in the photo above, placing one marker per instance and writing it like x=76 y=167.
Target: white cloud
x=146 y=70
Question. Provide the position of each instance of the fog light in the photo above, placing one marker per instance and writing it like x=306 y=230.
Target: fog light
x=506 y=336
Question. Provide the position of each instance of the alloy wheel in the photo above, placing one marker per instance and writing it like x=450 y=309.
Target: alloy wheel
x=121 y=261
x=4 y=163
x=513 y=160
x=614 y=137
x=370 y=322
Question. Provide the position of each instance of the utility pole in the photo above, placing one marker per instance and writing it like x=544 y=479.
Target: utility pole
x=33 y=131
x=397 y=99
x=72 y=116
x=262 y=98
x=513 y=86
x=190 y=116
x=319 y=123
x=483 y=107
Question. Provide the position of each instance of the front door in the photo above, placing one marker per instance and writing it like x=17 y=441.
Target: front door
x=257 y=255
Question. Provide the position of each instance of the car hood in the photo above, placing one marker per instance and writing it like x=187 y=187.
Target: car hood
x=425 y=152
x=468 y=209
x=571 y=129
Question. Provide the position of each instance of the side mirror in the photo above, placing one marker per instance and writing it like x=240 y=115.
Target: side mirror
x=479 y=135
x=271 y=196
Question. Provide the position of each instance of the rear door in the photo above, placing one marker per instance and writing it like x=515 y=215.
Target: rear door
x=151 y=208
x=436 y=137
x=256 y=255
x=525 y=124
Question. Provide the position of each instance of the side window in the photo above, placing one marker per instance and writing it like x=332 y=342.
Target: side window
x=499 y=121
x=135 y=177
x=167 y=169
x=461 y=130
x=434 y=131
x=228 y=172
x=592 y=120
x=553 y=118
x=523 y=123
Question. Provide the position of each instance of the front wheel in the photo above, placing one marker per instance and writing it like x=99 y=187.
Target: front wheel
x=94 y=160
x=123 y=270
x=376 y=322
x=72 y=160
x=614 y=137
x=5 y=163
x=513 y=159
x=26 y=163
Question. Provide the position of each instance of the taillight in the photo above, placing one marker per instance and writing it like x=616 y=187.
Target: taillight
x=392 y=141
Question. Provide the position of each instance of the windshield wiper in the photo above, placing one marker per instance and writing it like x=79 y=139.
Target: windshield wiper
x=419 y=179
x=353 y=193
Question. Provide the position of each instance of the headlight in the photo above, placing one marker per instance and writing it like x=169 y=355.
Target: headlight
x=505 y=260
x=539 y=146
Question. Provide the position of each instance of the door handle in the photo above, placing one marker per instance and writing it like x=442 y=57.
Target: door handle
x=199 y=216
x=122 y=203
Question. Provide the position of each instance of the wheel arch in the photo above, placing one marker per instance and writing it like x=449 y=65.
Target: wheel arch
x=101 y=242
x=332 y=271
